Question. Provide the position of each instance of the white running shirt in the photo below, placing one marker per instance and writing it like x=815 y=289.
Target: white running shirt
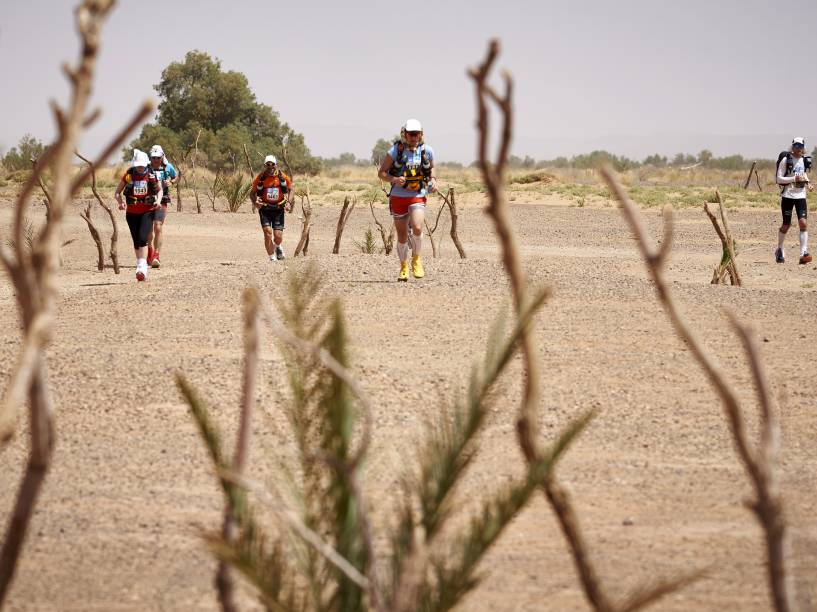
x=789 y=190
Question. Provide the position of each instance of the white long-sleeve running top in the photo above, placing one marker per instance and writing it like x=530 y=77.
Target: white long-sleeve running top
x=789 y=189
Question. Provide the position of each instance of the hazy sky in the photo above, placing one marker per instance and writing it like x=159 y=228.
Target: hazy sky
x=634 y=76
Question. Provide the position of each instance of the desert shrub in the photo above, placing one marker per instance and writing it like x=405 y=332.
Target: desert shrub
x=425 y=566
x=236 y=190
x=19 y=157
x=368 y=244
x=29 y=236
x=539 y=176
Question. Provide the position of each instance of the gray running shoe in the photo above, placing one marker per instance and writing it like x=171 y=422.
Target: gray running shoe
x=778 y=256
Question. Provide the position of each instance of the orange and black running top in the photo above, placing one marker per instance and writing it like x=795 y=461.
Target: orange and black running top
x=140 y=190
x=272 y=189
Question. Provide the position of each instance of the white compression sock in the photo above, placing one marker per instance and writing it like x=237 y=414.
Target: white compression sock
x=418 y=244
x=402 y=250
x=781 y=239
x=141 y=264
x=803 y=242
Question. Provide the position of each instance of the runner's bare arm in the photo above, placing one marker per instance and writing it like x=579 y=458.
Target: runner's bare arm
x=118 y=194
x=253 y=191
x=383 y=172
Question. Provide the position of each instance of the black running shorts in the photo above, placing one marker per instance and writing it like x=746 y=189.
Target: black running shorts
x=799 y=204
x=140 y=225
x=160 y=213
x=272 y=216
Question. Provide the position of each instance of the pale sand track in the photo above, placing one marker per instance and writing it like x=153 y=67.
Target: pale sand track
x=116 y=528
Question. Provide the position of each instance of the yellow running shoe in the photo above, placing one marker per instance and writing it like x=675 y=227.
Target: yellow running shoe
x=417 y=267
x=403 y=271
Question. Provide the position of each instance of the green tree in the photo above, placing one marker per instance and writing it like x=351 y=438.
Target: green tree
x=19 y=157
x=705 y=156
x=655 y=160
x=381 y=149
x=200 y=100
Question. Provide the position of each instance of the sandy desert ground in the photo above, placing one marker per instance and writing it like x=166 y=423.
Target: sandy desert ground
x=655 y=479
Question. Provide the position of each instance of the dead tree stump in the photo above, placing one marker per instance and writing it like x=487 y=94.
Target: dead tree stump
x=86 y=214
x=727 y=265
x=348 y=207
x=452 y=207
x=435 y=244
x=749 y=177
x=388 y=239
x=114 y=252
x=306 y=207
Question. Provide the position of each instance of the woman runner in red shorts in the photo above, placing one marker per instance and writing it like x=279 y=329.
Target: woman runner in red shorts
x=409 y=168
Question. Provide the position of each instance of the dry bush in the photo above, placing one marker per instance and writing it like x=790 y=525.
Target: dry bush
x=759 y=460
x=367 y=246
x=33 y=272
x=493 y=171
x=236 y=190
x=330 y=560
x=729 y=248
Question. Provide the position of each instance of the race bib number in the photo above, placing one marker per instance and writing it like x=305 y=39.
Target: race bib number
x=140 y=188
x=272 y=194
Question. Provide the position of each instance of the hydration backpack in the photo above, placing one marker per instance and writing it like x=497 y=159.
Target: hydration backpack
x=142 y=187
x=416 y=176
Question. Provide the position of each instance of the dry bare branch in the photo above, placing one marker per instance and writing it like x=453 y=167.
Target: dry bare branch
x=526 y=423
x=723 y=267
x=730 y=242
x=224 y=582
x=452 y=208
x=114 y=252
x=334 y=366
x=193 y=172
x=34 y=279
x=345 y=212
x=388 y=239
x=142 y=113
x=497 y=209
x=43 y=188
x=285 y=158
x=431 y=230
x=749 y=176
x=349 y=472
x=493 y=176
x=760 y=463
x=306 y=208
x=249 y=163
x=277 y=507
x=214 y=189
x=86 y=215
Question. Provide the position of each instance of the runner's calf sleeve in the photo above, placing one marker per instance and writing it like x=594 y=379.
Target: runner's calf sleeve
x=803 y=242
x=781 y=239
x=417 y=243
x=402 y=250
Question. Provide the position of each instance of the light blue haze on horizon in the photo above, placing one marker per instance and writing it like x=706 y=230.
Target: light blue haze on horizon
x=634 y=77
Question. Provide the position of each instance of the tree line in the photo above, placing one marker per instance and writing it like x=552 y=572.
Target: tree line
x=214 y=113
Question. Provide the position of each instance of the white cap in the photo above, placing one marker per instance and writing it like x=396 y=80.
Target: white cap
x=140 y=158
x=270 y=159
x=799 y=140
x=413 y=125
x=156 y=151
